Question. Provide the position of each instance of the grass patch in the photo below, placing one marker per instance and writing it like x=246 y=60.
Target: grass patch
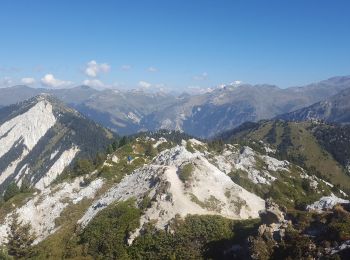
x=15 y=202
x=212 y=203
x=189 y=147
x=63 y=243
x=185 y=172
x=240 y=177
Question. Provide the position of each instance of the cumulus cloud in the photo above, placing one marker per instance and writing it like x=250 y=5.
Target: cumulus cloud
x=93 y=69
x=144 y=84
x=28 y=81
x=94 y=83
x=152 y=69
x=202 y=76
x=6 y=82
x=50 y=81
x=125 y=67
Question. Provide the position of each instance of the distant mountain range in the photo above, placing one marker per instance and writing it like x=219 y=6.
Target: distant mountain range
x=67 y=192
x=333 y=109
x=201 y=115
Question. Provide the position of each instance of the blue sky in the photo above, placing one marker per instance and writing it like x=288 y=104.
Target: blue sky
x=173 y=44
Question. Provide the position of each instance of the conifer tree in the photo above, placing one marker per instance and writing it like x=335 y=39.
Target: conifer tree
x=20 y=238
x=11 y=191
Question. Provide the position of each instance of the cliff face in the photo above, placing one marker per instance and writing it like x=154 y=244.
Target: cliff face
x=39 y=138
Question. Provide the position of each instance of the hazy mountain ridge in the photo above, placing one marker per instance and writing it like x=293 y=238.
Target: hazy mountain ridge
x=229 y=106
x=201 y=115
x=333 y=109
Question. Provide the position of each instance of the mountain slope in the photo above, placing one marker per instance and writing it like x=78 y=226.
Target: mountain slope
x=40 y=137
x=320 y=148
x=182 y=194
x=333 y=109
x=201 y=115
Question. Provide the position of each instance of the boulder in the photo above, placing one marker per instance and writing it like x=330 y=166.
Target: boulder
x=272 y=214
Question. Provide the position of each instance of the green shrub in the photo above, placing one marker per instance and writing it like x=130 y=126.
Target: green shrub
x=340 y=229
x=189 y=147
x=150 y=151
x=106 y=235
x=20 y=239
x=216 y=146
x=4 y=254
x=82 y=167
x=185 y=172
x=295 y=246
x=11 y=191
x=195 y=237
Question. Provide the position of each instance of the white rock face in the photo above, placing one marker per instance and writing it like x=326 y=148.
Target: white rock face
x=159 y=142
x=57 y=168
x=28 y=127
x=326 y=203
x=232 y=159
x=208 y=191
x=207 y=181
x=246 y=162
x=12 y=167
x=115 y=159
x=53 y=155
x=335 y=250
x=42 y=210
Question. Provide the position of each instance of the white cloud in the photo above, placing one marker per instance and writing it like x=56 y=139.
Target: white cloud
x=93 y=69
x=152 y=69
x=50 y=81
x=28 y=81
x=94 y=83
x=144 y=84
x=200 y=77
x=6 y=82
x=125 y=67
